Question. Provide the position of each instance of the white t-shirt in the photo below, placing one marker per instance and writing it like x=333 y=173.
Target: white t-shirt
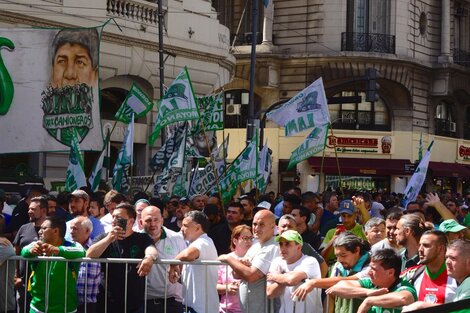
x=168 y=247
x=253 y=295
x=309 y=265
x=202 y=298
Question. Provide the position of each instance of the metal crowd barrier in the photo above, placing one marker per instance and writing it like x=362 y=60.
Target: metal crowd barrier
x=104 y=262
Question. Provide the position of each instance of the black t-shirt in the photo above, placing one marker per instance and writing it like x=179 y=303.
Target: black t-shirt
x=221 y=236
x=25 y=235
x=131 y=247
x=313 y=239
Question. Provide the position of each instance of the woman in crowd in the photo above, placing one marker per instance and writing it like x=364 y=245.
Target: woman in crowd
x=227 y=286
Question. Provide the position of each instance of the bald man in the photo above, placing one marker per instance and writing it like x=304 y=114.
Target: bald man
x=168 y=244
x=254 y=267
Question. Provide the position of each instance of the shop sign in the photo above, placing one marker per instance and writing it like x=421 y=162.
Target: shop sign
x=350 y=182
x=360 y=144
x=464 y=152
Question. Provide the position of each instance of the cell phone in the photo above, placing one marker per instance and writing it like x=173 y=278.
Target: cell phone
x=340 y=227
x=121 y=222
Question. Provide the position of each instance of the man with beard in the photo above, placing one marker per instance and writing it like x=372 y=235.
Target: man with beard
x=123 y=242
x=168 y=244
x=253 y=269
x=221 y=233
x=78 y=206
x=353 y=259
x=198 y=202
x=183 y=208
x=27 y=234
x=347 y=210
x=430 y=278
x=410 y=227
x=248 y=204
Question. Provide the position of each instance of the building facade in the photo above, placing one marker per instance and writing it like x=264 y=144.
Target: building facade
x=420 y=49
x=129 y=53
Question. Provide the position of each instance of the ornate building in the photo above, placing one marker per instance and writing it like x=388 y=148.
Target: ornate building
x=129 y=54
x=421 y=51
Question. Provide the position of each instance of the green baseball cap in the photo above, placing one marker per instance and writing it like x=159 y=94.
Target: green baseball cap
x=290 y=235
x=451 y=226
x=466 y=220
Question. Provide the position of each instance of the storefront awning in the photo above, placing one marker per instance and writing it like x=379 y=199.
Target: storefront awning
x=363 y=166
x=442 y=169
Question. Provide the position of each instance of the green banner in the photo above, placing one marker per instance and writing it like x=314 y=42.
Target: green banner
x=314 y=143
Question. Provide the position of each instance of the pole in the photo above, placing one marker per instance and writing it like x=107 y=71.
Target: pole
x=337 y=160
x=160 y=47
x=251 y=104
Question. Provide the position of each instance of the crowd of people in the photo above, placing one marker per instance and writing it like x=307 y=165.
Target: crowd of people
x=294 y=252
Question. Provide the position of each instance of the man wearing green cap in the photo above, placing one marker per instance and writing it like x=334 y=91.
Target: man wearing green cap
x=289 y=270
x=452 y=229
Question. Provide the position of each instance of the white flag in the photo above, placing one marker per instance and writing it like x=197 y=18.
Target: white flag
x=124 y=161
x=417 y=180
x=305 y=110
x=75 y=177
x=95 y=176
x=314 y=143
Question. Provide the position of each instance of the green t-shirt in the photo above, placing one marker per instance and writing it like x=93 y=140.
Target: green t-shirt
x=356 y=230
x=462 y=293
x=401 y=286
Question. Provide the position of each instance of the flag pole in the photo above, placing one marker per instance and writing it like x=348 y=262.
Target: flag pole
x=337 y=160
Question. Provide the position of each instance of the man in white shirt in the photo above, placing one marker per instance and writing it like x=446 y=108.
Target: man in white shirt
x=168 y=244
x=253 y=268
x=199 y=283
x=291 y=269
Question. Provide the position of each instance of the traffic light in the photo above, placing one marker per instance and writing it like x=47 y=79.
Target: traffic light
x=372 y=86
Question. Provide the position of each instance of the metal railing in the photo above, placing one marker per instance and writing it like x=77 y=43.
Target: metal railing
x=367 y=42
x=105 y=270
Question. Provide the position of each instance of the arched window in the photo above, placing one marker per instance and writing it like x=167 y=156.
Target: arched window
x=444 y=124
x=236 y=108
x=352 y=111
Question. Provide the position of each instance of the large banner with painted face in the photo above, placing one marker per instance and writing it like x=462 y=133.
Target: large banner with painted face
x=49 y=89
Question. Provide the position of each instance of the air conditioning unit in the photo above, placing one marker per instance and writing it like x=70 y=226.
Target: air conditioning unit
x=233 y=109
x=452 y=127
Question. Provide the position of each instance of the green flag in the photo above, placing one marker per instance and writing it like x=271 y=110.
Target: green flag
x=243 y=168
x=314 y=143
x=212 y=108
x=136 y=102
x=178 y=104
x=75 y=177
x=95 y=176
x=265 y=165
x=124 y=161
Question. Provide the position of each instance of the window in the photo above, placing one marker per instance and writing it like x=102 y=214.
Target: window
x=236 y=108
x=466 y=131
x=236 y=16
x=461 y=34
x=444 y=124
x=352 y=111
x=368 y=25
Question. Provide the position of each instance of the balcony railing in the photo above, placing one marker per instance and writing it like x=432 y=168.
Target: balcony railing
x=382 y=43
x=462 y=57
x=139 y=11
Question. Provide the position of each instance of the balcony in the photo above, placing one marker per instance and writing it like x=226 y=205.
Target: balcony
x=461 y=57
x=365 y=42
x=444 y=127
x=138 y=11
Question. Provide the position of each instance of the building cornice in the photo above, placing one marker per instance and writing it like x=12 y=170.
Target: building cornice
x=16 y=18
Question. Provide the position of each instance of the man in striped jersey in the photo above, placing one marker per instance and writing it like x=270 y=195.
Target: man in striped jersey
x=430 y=278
